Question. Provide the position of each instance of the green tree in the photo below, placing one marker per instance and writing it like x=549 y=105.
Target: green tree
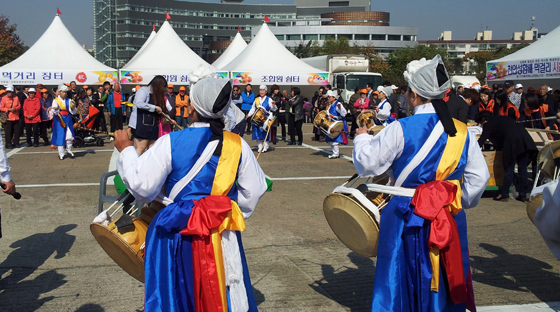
x=11 y=46
x=481 y=57
x=309 y=49
x=397 y=61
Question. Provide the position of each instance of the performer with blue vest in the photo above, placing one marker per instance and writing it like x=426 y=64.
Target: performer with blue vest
x=383 y=109
x=423 y=258
x=63 y=126
x=337 y=112
x=194 y=255
x=263 y=101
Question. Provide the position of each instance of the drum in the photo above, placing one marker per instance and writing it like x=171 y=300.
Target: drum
x=126 y=245
x=329 y=127
x=353 y=219
x=261 y=119
x=547 y=160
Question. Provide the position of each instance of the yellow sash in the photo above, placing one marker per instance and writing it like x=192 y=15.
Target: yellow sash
x=258 y=101
x=226 y=172
x=448 y=163
x=61 y=104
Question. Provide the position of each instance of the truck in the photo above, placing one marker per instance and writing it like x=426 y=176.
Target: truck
x=346 y=72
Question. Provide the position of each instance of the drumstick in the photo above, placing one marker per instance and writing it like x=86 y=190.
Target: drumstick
x=542 y=130
x=259 y=155
x=170 y=120
x=351 y=178
x=537 y=119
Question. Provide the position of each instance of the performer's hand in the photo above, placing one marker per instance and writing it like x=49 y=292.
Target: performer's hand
x=158 y=109
x=122 y=139
x=361 y=130
x=10 y=188
x=109 y=114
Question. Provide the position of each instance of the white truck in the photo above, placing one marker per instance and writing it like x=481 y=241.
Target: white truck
x=346 y=72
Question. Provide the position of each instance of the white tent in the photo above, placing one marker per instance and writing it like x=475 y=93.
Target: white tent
x=535 y=64
x=56 y=58
x=266 y=60
x=166 y=55
x=235 y=48
x=150 y=38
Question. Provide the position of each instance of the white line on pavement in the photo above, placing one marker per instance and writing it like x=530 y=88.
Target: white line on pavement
x=75 y=151
x=274 y=147
x=16 y=150
x=324 y=151
x=57 y=185
x=535 y=307
x=308 y=178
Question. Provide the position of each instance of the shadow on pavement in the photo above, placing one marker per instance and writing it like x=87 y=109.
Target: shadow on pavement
x=516 y=272
x=90 y=307
x=259 y=296
x=30 y=254
x=350 y=287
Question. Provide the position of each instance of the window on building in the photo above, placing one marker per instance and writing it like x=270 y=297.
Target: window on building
x=394 y=37
x=361 y=37
x=451 y=47
x=224 y=38
x=207 y=39
x=280 y=37
x=293 y=37
x=377 y=37
x=310 y=37
x=339 y=3
x=347 y=36
x=407 y=38
x=323 y=37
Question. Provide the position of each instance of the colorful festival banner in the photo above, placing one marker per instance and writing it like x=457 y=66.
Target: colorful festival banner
x=241 y=78
x=144 y=77
x=56 y=77
x=524 y=69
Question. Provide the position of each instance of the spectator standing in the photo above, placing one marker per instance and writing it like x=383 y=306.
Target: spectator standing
x=97 y=103
x=506 y=108
x=46 y=115
x=277 y=98
x=32 y=114
x=181 y=104
x=282 y=116
x=104 y=97
x=369 y=88
x=171 y=99
x=22 y=94
x=486 y=102
x=307 y=107
x=472 y=98
x=535 y=111
x=362 y=103
x=458 y=108
x=236 y=97
x=114 y=106
x=73 y=91
x=295 y=116
x=248 y=98
x=548 y=99
x=353 y=110
x=83 y=103
x=394 y=100
x=403 y=109
x=10 y=104
x=514 y=97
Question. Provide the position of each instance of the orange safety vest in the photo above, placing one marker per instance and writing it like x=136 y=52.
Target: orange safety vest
x=489 y=107
x=543 y=109
x=505 y=112
x=179 y=104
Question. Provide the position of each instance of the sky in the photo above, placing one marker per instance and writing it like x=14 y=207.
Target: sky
x=432 y=17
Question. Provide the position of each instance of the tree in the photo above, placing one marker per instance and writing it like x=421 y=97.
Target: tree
x=397 y=61
x=11 y=46
x=481 y=57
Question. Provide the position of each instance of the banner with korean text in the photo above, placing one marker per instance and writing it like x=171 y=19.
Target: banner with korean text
x=242 y=78
x=545 y=68
x=56 y=77
x=143 y=77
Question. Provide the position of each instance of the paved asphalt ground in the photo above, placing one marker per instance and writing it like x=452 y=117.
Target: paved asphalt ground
x=49 y=260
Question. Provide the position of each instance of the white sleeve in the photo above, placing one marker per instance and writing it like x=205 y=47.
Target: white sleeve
x=144 y=175
x=253 y=108
x=373 y=155
x=274 y=107
x=251 y=181
x=342 y=110
x=141 y=100
x=4 y=166
x=385 y=112
x=476 y=175
x=168 y=105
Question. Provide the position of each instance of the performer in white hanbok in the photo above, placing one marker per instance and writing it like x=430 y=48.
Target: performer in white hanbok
x=259 y=134
x=194 y=256
x=336 y=112
x=422 y=257
x=63 y=126
x=384 y=107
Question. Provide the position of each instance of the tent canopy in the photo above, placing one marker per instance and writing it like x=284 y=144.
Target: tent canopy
x=55 y=58
x=235 y=48
x=540 y=60
x=150 y=38
x=266 y=60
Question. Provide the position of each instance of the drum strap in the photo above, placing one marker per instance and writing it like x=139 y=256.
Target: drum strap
x=422 y=153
